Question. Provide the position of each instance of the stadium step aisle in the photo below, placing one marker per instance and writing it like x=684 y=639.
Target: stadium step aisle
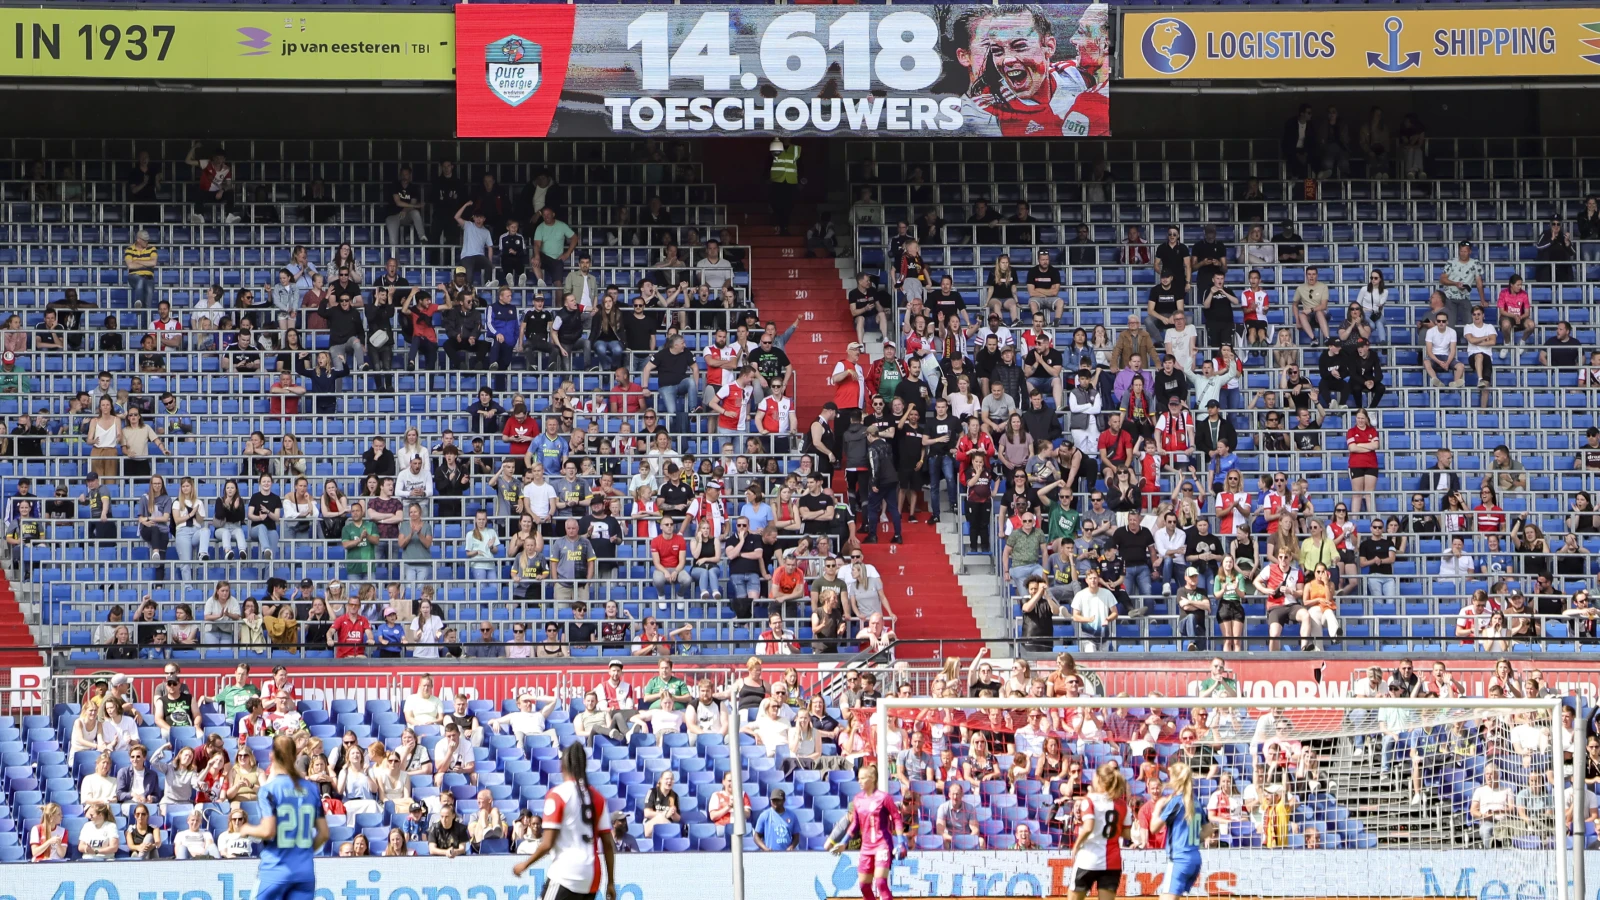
x=14 y=630
x=920 y=582
x=918 y=578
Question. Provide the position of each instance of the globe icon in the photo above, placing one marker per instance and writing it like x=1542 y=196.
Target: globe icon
x=1168 y=46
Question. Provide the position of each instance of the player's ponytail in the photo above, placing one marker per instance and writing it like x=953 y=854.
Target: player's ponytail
x=1182 y=780
x=575 y=762
x=284 y=755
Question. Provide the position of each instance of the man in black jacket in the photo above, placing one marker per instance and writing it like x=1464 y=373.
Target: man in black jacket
x=346 y=334
x=447 y=193
x=1040 y=421
x=1297 y=143
x=463 y=322
x=1213 y=428
x=1333 y=377
x=1363 y=376
x=883 y=485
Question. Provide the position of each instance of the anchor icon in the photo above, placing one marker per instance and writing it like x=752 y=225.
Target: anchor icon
x=1394 y=63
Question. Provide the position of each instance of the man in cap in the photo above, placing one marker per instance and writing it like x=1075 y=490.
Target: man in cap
x=12 y=381
x=1193 y=605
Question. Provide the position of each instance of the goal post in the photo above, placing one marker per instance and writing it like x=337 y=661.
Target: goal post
x=1389 y=797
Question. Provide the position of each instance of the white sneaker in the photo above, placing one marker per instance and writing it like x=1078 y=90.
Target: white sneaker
x=492 y=283
x=1416 y=798
x=1166 y=590
x=231 y=219
x=196 y=219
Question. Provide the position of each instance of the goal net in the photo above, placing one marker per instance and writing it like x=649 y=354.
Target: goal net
x=1388 y=797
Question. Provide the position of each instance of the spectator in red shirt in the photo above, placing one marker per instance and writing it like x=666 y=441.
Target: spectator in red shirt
x=424 y=342
x=285 y=400
x=1490 y=516
x=351 y=632
x=1362 y=441
x=1116 y=446
x=669 y=553
x=974 y=441
x=215 y=187
x=520 y=430
x=627 y=395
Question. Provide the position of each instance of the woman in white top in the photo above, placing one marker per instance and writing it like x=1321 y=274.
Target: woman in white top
x=125 y=727
x=203 y=318
x=195 y=842
x=105 y=436
x=344 y=257
x=1374 y=294
x=659 y=454
x=90 y=732
x=482 y=546
x=1258 y=251
x=1100 y=343
x=664 y=719
x=963 y=402
x=99 y=786
x=358 y=788
x=424 y=631
x=805 y=745
x=769 y=729
x=47 y=841
x=98 y=840
x=231 y=844
x=392 y=781
x=1225 y=806
x=299 y=511
x=290 y=457
x=192 y=519
x=410 y=446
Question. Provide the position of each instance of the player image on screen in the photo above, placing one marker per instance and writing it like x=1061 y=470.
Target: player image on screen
x=292 y=829
x=874 y=815
x=1016 y=87
x=577 y=831
x=1176 y=814
x=1097 y=852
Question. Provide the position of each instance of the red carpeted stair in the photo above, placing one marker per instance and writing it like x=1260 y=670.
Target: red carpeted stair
x=917 y=575
x=15 y=635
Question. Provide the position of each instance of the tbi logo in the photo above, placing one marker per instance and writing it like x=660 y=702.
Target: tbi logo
x=1168 y=46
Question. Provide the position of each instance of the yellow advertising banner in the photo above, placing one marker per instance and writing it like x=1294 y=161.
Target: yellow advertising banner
x=141 y=41
x=1521 y=40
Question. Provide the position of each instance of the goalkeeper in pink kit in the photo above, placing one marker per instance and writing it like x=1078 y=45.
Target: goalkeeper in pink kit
x=874 y=815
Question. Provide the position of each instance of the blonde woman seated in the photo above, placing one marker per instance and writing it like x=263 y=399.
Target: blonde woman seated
x=233 y=844
x=99 y=786
x=770 y=729
x=663 y=720
x=91 y=732
x=195 y=842
x=98 y=841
